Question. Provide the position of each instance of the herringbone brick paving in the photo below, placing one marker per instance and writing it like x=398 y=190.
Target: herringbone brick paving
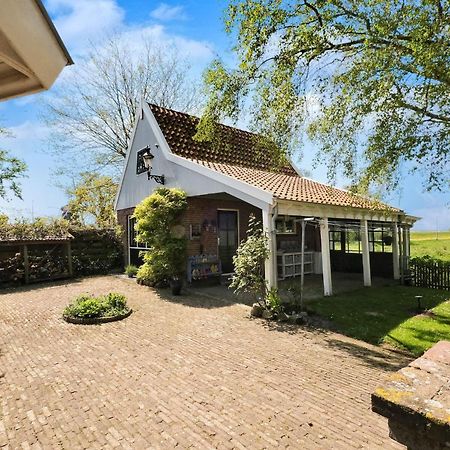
x=188 y=373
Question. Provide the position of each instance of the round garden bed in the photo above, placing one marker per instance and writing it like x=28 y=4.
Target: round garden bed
x=96 y=320
x=89 y=310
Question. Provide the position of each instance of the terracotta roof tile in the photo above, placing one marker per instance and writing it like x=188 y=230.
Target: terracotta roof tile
x=235 y=146
x=238 y=156
x=293 y=187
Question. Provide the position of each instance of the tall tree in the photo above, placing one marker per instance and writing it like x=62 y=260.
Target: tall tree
x=368 y=80
x=92 y=112
x=11 y=170
x=91 y=201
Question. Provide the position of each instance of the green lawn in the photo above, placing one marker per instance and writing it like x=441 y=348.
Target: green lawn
x=386 y=314
x=428 y=243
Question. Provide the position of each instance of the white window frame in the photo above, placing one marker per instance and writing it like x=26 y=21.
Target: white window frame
x=284 y=219
x=139 y=246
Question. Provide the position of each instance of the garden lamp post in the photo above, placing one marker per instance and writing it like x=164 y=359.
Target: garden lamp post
x=419 y=303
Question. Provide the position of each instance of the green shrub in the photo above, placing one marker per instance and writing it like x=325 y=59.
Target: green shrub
x=157 y=224
x=87 y=306
x=114 y=300
x=273 y=300
x=249 y=262
x=131 y=270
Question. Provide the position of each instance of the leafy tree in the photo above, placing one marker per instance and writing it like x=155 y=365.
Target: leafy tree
x=158 y=224
x=368 y=80
x=11 y=170
x=94 y=108
x=4 y=220
x=92 y=201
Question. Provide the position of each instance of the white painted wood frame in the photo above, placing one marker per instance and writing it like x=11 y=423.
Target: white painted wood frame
x=395 y=252
x=326 y=260
x=365 y=253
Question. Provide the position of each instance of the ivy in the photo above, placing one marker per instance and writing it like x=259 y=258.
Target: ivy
x=158 y=225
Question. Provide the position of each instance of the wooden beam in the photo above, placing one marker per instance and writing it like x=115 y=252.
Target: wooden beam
x=269 y=267
x=395 y=252
x=365 y=253
x=326 y=260
x=69 y=258
x=26 y=264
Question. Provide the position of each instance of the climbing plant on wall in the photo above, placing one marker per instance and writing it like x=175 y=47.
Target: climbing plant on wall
x=158 y=225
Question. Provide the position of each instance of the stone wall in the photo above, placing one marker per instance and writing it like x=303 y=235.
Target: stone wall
x=415 y=400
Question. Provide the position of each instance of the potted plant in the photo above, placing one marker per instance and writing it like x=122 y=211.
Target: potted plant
x=176 y=284
x=131 y=270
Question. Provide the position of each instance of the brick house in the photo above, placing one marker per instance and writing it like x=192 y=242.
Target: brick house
x=232 y=177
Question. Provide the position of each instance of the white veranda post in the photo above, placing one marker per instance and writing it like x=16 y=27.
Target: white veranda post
x=365 y=252
x=269 y=267
x=326 y=261
x=395 y=252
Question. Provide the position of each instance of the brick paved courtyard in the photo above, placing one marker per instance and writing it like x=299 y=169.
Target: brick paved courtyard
x=192 y=372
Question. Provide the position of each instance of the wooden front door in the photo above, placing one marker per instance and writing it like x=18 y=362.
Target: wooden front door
x=227 y=222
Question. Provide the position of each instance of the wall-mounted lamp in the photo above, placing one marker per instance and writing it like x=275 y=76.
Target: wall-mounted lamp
x=147 y=157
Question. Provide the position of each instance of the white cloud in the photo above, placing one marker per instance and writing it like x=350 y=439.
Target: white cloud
x=165 y=12
x=190 y=48
x=82 y=21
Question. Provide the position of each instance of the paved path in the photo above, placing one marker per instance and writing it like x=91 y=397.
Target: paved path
x=188 y=373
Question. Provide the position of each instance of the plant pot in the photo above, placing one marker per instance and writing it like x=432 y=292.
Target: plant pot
x=175 y=286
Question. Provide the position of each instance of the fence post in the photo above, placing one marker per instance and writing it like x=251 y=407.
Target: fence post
x=26 y=264
x=69 y=258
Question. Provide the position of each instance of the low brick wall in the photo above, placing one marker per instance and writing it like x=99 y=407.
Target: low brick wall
x=416 y=401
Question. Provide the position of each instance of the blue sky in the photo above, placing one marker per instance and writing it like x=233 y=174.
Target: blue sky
x=196 y=29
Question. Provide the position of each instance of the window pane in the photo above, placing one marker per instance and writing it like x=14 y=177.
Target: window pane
x=289 y=226
x=353 y=242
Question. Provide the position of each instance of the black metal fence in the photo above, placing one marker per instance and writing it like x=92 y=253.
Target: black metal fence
x=430 y=273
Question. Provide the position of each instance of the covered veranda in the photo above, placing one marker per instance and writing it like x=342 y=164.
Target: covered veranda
x=366 y=243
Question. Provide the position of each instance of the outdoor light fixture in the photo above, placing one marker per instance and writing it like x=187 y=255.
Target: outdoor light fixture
x=147 y=158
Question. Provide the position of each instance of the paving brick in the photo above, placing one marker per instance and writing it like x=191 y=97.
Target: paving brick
x=190 y=372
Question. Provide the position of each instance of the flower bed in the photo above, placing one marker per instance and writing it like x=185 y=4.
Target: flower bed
x=87 y=309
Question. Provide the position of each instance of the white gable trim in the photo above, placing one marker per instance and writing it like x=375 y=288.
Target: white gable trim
x=127 y=157
x=238 y=189
x=246 y=188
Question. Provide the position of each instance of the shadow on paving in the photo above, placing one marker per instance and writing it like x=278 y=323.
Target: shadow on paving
x=45 y=284
x=386 y=360
x=206 y=297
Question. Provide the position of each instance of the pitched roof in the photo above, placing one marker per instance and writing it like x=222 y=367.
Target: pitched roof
x=293 y=187
x=238 y=157
x=234 y=146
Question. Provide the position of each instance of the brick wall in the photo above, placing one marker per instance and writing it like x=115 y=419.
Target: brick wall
x=198 y=212
x=201 y=210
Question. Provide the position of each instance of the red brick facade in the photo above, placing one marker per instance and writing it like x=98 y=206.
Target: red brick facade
x=201 y=212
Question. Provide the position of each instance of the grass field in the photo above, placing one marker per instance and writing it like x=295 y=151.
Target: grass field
x=387 y=315
x=432 y=244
